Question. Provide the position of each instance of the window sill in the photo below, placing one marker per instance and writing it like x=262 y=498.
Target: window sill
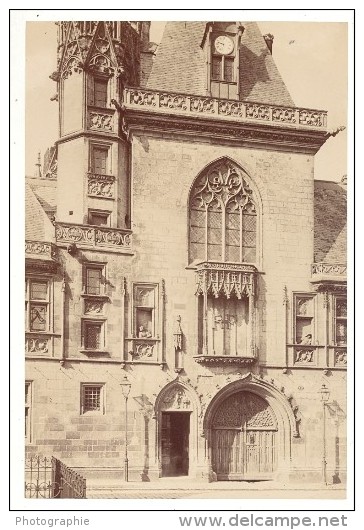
x=94 y=352
x=101 y=297
x=150 y=339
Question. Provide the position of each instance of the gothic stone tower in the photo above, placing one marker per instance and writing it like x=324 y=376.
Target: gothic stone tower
x=95 y=61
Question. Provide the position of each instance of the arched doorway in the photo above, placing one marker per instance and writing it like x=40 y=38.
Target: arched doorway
x=176 y=410
x=243 y=441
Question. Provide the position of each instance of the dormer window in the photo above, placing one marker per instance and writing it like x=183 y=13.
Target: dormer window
x=224 y=39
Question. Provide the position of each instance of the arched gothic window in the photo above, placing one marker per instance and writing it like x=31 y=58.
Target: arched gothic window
x=223 y=219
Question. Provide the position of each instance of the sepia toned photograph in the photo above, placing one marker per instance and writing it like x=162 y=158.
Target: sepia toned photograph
x=186 y=259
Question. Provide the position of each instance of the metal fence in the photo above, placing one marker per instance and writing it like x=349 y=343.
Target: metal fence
x=49 y=478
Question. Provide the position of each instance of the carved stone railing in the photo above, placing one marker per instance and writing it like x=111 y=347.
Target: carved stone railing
x=100 y=185
x=40 y=249
x=225 y=279
x=329 y=269
x=222 y=108
x=87 y=236
x=329 y=274
x=101 y=120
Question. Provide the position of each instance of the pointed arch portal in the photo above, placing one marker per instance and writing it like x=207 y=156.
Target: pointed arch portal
x=249 y=425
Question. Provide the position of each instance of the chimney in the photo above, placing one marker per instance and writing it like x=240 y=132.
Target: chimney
x=269 y=41
x=144 y=35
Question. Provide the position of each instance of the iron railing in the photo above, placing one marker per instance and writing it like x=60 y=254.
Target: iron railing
x=49 y=478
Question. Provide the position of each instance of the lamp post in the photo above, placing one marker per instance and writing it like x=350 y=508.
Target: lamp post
x=325 y=395
x=125 y=388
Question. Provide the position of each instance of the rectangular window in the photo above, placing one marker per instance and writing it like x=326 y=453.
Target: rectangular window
x=304 y=320
x=229 y=69
x=340 y=321
x=99 y=218
x=37 y=301
x=145 y=311
x=92 y=398
x=100 y=92
x=216 y=68
x=93 y=335
x=100 y=160
x=28 y=410
x=94 y=280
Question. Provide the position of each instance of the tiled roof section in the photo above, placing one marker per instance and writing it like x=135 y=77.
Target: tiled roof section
x=38 y=227
x=330 y=222
x=259 y=77
x=180 y=64
x=45 y=191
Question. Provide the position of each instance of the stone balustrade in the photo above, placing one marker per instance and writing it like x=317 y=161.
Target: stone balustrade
x=94 y=237
x=221 y=108
x=328 y=270
x=40 y=249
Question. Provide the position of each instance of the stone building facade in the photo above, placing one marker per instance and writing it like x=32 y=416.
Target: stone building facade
x=176 y=240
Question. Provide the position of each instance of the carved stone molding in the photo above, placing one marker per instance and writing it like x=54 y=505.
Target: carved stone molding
x=224 y=279
x=329 y=269
x=41 y=248
x=227 y=108
x=305 y=356
x=101 y=121
x=224 y=360
x=245 y=408
x=266 y=135
x=100 y=186
x=177 y=398
x=37 y=344
x=94 y=307
x=340 y=357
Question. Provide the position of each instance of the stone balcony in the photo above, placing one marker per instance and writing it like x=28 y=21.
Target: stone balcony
x=234 y=110
x=94 y=237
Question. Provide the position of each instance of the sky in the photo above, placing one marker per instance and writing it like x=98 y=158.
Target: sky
x=311 y=57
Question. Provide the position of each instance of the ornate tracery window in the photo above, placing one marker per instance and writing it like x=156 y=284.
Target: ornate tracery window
x=223 y=219
x=223 y=246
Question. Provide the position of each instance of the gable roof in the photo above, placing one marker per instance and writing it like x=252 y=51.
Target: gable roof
x=45 y=191
x=38 y=227
x=180 y=64
x=330 y=222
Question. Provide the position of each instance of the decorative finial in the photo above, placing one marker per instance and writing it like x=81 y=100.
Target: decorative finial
x=38 y=165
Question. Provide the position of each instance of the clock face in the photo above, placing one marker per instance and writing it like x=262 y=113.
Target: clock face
x=224 y=45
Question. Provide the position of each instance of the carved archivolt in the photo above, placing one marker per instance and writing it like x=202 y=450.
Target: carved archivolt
x=245 y=409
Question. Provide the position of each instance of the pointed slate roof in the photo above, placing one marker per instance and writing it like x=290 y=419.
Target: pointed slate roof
x=38 y=227
x=180 y=64
x=330 y=222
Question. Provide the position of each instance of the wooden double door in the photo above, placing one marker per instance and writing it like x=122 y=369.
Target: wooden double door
x=243 y=441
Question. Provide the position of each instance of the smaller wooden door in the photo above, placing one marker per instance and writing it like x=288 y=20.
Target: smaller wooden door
x=243 y=438
x=175 y=443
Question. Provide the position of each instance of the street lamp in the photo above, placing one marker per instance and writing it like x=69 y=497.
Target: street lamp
x=125 y=388
x=325 y=395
